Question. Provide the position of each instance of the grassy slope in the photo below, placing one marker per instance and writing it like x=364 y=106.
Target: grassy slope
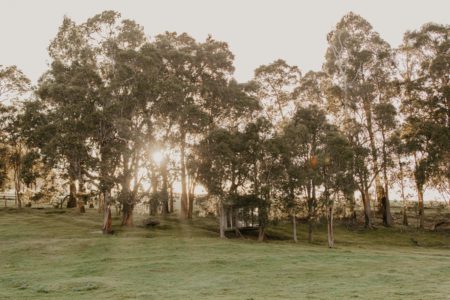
x=59 y=256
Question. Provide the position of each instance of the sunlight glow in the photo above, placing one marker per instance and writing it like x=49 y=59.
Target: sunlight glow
x=157 y=157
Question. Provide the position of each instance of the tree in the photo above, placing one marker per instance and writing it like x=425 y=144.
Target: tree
x=13 y=86
x=277 y=82
x=360 y=65
x=222 y=168
x=335 y=159
x=425 y=103
x=384 y=116
x=304 y=136
x=198 y=94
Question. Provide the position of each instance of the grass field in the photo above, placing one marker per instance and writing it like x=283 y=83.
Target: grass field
x=53 y=254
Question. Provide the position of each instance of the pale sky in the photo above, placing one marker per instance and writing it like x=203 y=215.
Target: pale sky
x=257 y=31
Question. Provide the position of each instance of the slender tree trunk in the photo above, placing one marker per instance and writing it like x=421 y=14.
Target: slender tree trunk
x=191 y=198
x=367 y=211
x=421 y=206
x=184 y=195
x=262 y=217
x=164 y=192
x=402 y=189
x=107 y=220
x=330 y=233
x=374 y=152
x=126 y=198
x=17 y=170
x=311 y=211
x=153 y=205
x=127 y=206
x=222 y=220
x=387 y=216
x=419 y=185
x=294 y=226
x=101 y=203
x=72 y=201
x=171 y=198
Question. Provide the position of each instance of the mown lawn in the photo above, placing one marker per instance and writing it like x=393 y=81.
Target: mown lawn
x=50 y=255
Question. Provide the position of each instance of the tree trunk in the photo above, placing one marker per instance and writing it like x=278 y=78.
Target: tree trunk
x=311 y=211
x=127 y=207
x=191 y=197
x=367 y=211
x=107 y=220
x=222 y=220
x=421 y=207
x=330 y=234
x=164 y=192
x=184 y=195
x=153 y=205
x=387 y=216
x=262 y=217
x=294 y=226
x=101 y=203
x=374 y=152
x=171 y=198
x=72 y=201
x=402 y=189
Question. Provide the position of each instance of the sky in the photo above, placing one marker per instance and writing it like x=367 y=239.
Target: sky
x=257 y=31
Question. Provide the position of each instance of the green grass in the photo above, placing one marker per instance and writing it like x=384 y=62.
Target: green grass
x=50 y=255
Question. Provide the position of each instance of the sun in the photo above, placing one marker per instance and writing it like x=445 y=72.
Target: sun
x=157 y=157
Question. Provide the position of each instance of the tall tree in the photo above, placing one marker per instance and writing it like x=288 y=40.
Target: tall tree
x=360 y=64
x=426 y=105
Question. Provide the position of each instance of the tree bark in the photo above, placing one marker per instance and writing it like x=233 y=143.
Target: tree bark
x=153 y=205
x=164 y=191
x=311 y=211
x=191 y=197
x=222 y=220
x=107 y=220
x=171 y=200
x=262 y=217
x=184 y=195
x=127 y=211
x=330 y=233
x=367 y=211
x=387 y=216
x=402 y=189
x=421 y=206
x=72 y=201
x=373 y=148
x=294 y=226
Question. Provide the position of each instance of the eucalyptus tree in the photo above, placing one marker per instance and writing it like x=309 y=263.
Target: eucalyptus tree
x=61 y=129
x=360 y=65
x=305 y=136
x=102 y=81
x=400 y=153
x=426 y=104
x=198 y=94
x=222 y=167
x=277 y=82
x=362 y=177
x=14 y=85
x=312 y=90
x=335 y=164
x=385 y=119
x=263 y=160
